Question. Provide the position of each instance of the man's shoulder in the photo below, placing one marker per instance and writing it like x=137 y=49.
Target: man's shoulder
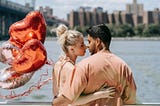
x=89 y=60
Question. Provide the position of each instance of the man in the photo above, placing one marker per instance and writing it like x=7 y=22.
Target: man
x=102 y=68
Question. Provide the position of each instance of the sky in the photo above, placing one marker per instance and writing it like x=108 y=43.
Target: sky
x=62 y=7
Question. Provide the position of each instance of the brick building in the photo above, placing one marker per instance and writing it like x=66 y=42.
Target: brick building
x=134 y=15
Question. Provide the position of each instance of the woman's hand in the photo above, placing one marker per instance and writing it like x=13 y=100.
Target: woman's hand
x=105 y=93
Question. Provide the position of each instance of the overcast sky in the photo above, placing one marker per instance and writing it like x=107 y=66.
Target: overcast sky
x=62 y=7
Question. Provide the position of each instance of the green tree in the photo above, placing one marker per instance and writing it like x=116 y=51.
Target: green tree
x=139 y=30
x=81 y=29
x=152 y=30
x=123 y=31
x=112 y=30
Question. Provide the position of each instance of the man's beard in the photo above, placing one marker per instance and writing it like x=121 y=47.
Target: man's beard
x=94 y=51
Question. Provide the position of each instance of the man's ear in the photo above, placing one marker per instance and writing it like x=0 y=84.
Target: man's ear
x=98 y=42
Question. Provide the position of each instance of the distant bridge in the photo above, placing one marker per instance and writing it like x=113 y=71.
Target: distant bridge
x=10 y=12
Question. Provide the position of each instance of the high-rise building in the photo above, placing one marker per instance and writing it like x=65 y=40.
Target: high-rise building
x=156 y=16
x=82 y=16
x=47 y=11
x=135 y=8
x=126 y=18
x=85 y=17
x=118 y=18
x=137 y=20
x=111 y=18
x=134 y=15
x=148 y=17
x=73 y=19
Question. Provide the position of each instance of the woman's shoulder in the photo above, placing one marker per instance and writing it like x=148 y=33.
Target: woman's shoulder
x=63 y=62
x=69 y=66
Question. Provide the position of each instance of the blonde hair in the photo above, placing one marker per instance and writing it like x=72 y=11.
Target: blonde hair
x=67 y=37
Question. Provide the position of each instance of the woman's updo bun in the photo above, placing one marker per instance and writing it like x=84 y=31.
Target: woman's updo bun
x=67 y=37
x=61 y=29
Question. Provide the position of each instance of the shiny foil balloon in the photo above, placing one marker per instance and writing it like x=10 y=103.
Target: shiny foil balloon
x=24 y=52
x=33 y=26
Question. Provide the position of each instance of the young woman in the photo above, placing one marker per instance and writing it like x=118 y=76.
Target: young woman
x=72 y=44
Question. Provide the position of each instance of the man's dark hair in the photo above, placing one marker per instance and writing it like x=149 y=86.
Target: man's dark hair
x=100 y=31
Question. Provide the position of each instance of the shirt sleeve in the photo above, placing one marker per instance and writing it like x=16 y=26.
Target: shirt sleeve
x=129 y=93
x=75 y=83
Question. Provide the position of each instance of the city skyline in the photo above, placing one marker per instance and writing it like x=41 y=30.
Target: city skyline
x=62 y=7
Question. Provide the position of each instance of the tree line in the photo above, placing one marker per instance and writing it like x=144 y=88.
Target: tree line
x=127 y=30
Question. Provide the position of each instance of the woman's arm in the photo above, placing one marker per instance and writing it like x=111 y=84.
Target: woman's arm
x=54 y=84
x=104 y=93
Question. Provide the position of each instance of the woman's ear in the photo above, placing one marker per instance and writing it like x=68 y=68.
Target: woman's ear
x=71 y=49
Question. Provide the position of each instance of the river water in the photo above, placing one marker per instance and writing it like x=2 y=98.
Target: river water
x=143 y=57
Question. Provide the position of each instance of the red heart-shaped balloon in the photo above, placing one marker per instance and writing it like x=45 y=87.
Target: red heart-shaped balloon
x=33 y=26
x=30 y=58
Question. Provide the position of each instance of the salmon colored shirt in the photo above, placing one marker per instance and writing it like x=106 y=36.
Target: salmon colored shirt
x=96 y=71
x=62 y=69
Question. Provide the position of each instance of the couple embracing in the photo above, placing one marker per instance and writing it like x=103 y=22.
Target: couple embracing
x=102 y=79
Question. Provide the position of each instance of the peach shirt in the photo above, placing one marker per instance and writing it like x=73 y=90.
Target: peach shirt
x=62 y=69
x=96 y=71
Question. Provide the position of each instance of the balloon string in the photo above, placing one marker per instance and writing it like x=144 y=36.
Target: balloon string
x=32 y=88
x=50 y=62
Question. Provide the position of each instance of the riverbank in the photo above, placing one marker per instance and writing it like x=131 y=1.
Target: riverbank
x=137 y=38
x=122 y=38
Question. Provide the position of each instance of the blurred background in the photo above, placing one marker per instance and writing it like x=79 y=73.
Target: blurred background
x=126 y=18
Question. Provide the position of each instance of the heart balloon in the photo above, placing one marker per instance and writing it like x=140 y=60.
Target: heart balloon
x=33 y=26
x=31 y=57
x=10 y=79
x=24 y=52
